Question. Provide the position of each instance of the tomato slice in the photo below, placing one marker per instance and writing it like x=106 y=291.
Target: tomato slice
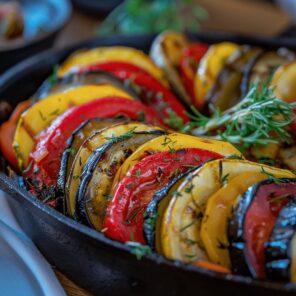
x=45 y=159
x=260 y=219
x=150 y=90
x=124 y=218
x=7 y=132
x=191 y=55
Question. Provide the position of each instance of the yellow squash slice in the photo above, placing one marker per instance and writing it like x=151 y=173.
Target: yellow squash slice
x=283 y=82
x=41 y=114
x=210 y=66
x=181 y=236
x=166 y=52
x=174 y=141
x=130 y=55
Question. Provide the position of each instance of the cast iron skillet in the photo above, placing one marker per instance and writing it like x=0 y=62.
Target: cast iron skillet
x=103 y=266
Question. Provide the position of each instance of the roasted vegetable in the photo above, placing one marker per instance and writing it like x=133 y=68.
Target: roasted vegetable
x=88 y=57
x=173 y=142
x=149 y=90
x=219 y=210
x=226 y=90
x=53 y=86
x=84 y=131
x=90 y=145
x=279 y=250
x=41 y=114
x=209 y=68
x=253 y=219
x=283 y=82
x=184 y=214
x=166 y=51
x=263 y=66
x=190 y=58
x=125 y=213
x=155 y=208
x=45 y=159
x=94 y=192
x=7 y=131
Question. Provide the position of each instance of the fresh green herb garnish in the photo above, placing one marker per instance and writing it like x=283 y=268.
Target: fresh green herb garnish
x=271 y=177
x=75 y=177
x=71 y=151
x=54 y=113
x=127 y=135
x=224 y=179
x=259 y=119
x=138 y=173
x=42 y=116
x=187 y=226
x=189 y=187
x=132 y=216
x=175 y=121
x=279 y=198
x=235 y=156
x=139 y=250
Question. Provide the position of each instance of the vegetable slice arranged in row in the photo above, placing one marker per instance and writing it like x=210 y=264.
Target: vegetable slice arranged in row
x=44 y=160
x=125 y=214
x=261 y=205
x=41 y=114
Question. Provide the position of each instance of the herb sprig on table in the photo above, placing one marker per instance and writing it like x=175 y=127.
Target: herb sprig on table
x=152 y=16
x=259 y=119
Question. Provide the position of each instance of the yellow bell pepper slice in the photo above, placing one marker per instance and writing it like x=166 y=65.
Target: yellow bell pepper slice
x=174 y=141
x=87 y=57
x=210 y=66
x=41 y=114
x=283 y=82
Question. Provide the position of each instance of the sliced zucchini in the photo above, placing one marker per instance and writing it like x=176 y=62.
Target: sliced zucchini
x=263 y=67
x=210 y=66
x=288 y=157
x=91 y=145
x=156 y=206
x=184 y=214
x=283 y=82
x=83 y=132
x=97 y=176
x=166 y=52
x=174 y=142
x=39 y=116
x=73 y=80
x=280 y=248
x=87 y=57
x=226 y=91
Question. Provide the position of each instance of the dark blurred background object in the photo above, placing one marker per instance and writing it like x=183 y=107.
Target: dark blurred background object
x=96 y=7
x=42 y=21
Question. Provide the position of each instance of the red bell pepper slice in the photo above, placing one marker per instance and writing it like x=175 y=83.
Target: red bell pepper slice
x=125 y=213
x=7 y=132
x=259 y=221
x=150 y=90
x=45 y=159
x=190 y=58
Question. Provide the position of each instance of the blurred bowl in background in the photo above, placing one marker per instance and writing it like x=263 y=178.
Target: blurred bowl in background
x=43 y=20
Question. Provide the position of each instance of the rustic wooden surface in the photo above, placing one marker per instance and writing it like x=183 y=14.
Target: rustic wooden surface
x=244 y=16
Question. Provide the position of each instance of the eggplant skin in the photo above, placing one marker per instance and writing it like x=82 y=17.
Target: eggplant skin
x=73 y=80
x=88 y=169
x=277 y=249
x=239 y=261
x=152 y=209
x=236 y=233
x=86 y=129
x=101 y=165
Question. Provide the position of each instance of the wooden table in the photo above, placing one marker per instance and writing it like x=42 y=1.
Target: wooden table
x=238 y=16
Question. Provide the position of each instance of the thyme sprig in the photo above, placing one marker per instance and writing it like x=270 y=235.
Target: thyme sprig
x=127 y=135
x=259 y=119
